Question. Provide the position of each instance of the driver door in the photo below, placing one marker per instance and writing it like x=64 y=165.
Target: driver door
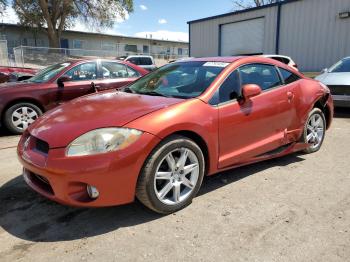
x=80 y=84
x=257 y=125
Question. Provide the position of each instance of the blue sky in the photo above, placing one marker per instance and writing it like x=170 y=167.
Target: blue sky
x=170 y=15
x=164 y=19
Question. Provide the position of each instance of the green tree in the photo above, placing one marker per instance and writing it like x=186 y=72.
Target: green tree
x=244 y=4
x=53 y=16
x=3 y=4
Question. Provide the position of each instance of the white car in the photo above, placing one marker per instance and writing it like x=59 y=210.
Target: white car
x=284 y=59
x=144 y=61
x=337 y=78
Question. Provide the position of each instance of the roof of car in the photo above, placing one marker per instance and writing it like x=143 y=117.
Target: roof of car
x=226 y=59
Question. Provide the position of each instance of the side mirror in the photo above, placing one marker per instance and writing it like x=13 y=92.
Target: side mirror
x=250 y=90
x=325 y=70
x=62 y=79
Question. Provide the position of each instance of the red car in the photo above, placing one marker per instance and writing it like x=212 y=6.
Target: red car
x=158 y=138
x=21 y=103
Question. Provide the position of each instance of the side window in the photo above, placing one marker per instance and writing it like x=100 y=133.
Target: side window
x=265 y=76
x=134 y=60
x=231 y=88
x=288 y=77
x=87 y=71
x=132 y=72
x=146 y=61
x=114 y=70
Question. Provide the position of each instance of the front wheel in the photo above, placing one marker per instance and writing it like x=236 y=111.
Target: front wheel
x=314 y=130
x=171 y=176
x=19 y=116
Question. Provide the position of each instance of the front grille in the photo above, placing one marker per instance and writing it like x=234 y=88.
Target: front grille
x=41 y=146
x=340 y=89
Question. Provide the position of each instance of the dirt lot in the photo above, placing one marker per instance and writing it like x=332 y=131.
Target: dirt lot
x=296 y=208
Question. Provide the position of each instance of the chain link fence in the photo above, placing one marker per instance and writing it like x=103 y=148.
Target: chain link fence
x=40 y=57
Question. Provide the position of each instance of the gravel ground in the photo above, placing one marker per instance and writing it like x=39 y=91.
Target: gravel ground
x=296 y=208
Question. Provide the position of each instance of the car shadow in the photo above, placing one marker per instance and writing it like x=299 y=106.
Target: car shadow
x=4 y=132
x=27 y=215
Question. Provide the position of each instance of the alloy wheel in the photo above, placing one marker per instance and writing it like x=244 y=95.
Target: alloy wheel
x=315 y=130
x=23 y=116
x=176 y=176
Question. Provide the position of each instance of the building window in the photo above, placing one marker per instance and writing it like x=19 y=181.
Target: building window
x=78 y=44
x=131 y=48
x=179 y=51
x=145 y=49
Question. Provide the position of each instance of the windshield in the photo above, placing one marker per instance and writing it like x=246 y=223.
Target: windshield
x=341 y=67
x=48 y=73
x=182 y=79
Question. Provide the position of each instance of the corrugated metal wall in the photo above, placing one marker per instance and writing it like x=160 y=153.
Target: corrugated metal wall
x=311 y=32
x=204 y=36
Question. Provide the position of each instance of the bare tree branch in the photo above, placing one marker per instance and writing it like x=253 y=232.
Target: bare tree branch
x=244 y=4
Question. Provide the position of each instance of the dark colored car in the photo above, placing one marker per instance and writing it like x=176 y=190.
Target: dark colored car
x=169 y=129
x=23 y=102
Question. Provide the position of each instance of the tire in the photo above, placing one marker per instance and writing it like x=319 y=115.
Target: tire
x=314 y=133
x=177 y=187
x=19 y=116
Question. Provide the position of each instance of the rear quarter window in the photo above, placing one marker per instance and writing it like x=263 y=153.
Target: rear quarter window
x=288 y=77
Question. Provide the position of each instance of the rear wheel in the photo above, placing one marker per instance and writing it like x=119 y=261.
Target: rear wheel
x=19 y=116
x=171 y=176
x=314 y=130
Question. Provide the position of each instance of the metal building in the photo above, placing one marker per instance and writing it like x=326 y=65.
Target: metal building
x=315 y=33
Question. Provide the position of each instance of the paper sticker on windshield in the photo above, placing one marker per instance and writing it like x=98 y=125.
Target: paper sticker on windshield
x=216 y=64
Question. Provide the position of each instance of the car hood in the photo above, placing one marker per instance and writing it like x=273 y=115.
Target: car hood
x=62 y=125
x=334 y=78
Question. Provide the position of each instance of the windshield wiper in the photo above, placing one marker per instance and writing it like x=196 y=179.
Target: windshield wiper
x=152 y=93
x=127 y=90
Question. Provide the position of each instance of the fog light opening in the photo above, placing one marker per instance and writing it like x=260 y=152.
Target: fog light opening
x=92 y=191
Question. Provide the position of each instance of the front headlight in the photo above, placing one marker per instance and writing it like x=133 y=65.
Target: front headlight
x=102 y=141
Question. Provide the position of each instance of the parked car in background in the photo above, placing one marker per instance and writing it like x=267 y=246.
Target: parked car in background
x=144 y=61
x=160 y=137
x=284 y=59
x=337 y=78
x=21 y=103
x=8 y=73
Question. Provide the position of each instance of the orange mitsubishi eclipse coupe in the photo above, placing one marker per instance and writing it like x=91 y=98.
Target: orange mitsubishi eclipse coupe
x=158 y=138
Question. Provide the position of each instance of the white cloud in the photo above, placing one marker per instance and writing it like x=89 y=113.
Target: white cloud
x=162 y=21
x=143 y=7
x=165 y=35
x=9 y=16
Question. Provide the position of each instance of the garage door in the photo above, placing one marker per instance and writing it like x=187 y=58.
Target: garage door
x=246 y=37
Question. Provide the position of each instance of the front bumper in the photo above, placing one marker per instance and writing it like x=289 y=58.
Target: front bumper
x=64 y=179
x=341 y=100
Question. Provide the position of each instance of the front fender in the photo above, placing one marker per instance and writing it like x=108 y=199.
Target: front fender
x=192 y=115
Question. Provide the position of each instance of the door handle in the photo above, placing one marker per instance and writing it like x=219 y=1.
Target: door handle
x=95 y=87
x=290 y=96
